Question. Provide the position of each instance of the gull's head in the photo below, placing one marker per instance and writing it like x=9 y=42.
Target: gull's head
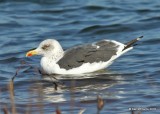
x=47 y=48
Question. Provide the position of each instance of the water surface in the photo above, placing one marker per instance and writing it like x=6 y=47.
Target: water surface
x=131 y=82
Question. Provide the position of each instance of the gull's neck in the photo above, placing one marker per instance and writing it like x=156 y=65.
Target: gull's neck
x=49 y=61
x=55 y=55
x=52 y=56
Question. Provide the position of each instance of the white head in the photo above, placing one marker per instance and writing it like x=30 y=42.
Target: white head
x=49 y=48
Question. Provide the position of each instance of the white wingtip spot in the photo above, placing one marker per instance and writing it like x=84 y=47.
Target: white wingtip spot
x=138 y=38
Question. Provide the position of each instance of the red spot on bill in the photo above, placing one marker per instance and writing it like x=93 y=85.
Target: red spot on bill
x=30 y=54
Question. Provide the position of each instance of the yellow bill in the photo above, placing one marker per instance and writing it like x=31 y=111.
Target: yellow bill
x=31 y=53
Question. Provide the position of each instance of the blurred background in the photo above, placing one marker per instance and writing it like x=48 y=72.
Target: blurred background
x=131 y=82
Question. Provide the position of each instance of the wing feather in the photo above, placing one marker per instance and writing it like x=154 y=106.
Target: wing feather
x=99 y=51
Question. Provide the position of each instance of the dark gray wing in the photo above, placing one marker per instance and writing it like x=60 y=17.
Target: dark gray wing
x=76 y=56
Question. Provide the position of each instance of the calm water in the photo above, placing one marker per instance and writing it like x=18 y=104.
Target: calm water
x=132 y=81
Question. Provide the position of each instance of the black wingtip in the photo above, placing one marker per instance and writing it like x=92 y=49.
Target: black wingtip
x=141 y=37
x=132 y=42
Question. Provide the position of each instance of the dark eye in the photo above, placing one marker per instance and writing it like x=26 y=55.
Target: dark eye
x=46 y=46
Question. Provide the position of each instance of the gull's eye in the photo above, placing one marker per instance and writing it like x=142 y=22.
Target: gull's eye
x=46 y=46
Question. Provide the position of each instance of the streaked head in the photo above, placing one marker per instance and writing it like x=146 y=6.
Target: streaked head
x=47 y=47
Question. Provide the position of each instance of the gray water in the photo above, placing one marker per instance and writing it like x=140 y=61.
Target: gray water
x=131 y=82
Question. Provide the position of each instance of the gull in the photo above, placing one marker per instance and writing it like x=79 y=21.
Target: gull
x=80 y=59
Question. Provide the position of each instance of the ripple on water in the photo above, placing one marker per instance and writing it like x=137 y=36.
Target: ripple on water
x=102 y=29
x=131 y=81
x=9 y=60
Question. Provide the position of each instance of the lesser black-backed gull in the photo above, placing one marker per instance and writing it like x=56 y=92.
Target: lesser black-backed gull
x=79 y=59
